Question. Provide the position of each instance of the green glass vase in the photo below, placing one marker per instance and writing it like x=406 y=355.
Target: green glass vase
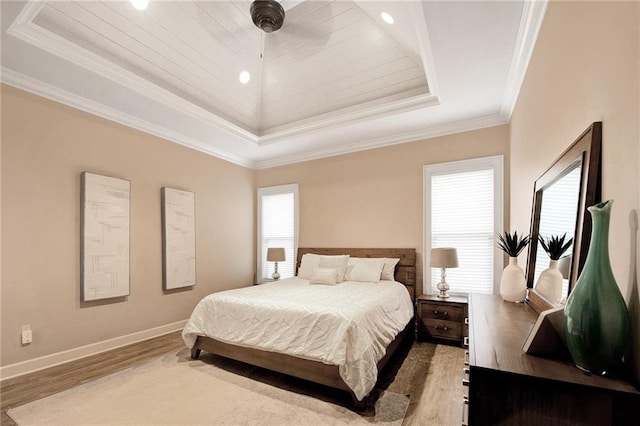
x=596 y=320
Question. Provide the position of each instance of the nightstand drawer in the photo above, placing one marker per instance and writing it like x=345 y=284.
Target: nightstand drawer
x=443 y=329
x=442 y=312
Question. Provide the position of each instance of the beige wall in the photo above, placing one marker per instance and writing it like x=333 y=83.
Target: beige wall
x=367 y=199
x=374 y=198
x=585 y=68
x=45 y=147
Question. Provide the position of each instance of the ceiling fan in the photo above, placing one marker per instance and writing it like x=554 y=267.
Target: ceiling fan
x=268 y=15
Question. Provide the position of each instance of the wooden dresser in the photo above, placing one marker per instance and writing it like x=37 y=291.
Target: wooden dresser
x=510 y=387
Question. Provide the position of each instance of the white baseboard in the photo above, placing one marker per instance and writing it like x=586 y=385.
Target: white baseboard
x=36 y=364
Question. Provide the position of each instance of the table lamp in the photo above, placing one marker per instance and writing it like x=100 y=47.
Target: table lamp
x=275 y=255
x=444 y=257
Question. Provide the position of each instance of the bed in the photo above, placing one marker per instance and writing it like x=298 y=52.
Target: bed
x=362 y=356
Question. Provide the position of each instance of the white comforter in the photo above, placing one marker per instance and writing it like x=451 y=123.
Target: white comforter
x=349 y=324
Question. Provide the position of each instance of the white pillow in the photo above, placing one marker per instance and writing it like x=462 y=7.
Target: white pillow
x=389 y=269
x=308 y=265
x=339 y=262
x=364 y=269
x=325 y=276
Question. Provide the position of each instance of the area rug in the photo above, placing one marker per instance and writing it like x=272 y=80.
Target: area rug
x=175 y=390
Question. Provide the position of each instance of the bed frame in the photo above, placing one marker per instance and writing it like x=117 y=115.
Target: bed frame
x=315 y=371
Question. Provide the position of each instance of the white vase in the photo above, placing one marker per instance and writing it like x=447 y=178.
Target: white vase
x=513 y=285
x=550 y=282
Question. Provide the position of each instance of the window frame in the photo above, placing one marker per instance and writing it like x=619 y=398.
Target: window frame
x=496 y=163
x=275 y=190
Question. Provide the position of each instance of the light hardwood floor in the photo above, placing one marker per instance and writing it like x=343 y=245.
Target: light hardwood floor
x=431 y=374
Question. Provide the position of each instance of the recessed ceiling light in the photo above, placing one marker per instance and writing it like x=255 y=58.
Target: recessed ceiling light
x=140 y=4
x=245 y=77
x=387 y=18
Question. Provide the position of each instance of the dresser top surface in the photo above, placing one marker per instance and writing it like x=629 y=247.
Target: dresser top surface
x=498 y=331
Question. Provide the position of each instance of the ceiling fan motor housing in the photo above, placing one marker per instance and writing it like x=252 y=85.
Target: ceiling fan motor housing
x=268 y=15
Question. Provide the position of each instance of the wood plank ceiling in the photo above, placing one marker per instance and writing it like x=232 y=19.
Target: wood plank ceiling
x=334 y=79
x=330 y=56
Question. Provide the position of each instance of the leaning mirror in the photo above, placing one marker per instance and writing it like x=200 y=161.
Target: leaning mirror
x=560 y=200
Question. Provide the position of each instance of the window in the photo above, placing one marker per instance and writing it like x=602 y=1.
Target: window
x=463 y=208
x=277 y=227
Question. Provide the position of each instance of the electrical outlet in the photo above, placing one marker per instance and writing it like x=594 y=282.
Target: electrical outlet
x=27 y=334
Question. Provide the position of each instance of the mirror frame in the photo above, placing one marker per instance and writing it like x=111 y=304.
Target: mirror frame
x=587 y=148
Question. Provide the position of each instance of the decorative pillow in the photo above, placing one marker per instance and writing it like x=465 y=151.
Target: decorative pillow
x=364 y=269
x=325 y=276
x=339 y=262
x=308 y=265
x=389 y=269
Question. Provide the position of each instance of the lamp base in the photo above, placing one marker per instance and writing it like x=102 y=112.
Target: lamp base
x=443 y=286
x=276 y=274
x=443 y=295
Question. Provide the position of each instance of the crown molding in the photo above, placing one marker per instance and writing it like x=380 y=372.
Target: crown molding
x=422 y=34
x=351 y=116
x=447 y=129
x=56 y=94
x=530 y=24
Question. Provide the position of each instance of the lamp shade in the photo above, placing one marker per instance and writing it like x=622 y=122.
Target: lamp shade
x=275 y=254
x=444 y=257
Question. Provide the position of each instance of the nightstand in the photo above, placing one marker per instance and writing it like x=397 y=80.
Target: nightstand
x=442 y=319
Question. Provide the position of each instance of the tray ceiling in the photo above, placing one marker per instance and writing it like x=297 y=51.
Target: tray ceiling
x=334 y=79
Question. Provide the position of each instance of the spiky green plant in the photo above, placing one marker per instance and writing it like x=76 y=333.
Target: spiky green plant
x=555 y=245
x=512 y=244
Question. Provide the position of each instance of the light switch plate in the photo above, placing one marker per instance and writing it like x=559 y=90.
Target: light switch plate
x=27 y=334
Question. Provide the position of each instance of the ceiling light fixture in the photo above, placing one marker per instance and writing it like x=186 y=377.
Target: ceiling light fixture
x=387 y=18
x=268 y=15
x=140 y=4
x=244 y=77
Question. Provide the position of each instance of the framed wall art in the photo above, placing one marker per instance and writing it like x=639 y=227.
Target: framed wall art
x=105 y=237
x=179 y=238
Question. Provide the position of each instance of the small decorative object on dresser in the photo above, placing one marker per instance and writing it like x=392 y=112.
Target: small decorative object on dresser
x=564 y=266
x=513 y=284
x=444 y=257
x=596 y=320
x=550 y=280
x=632 y=357
x=275 y=255
x=442 y=318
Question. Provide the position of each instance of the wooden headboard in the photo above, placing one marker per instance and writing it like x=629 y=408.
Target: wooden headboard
x=405 y=269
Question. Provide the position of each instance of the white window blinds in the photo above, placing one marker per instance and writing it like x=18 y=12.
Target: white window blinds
x=277 y=227
x=462 y=209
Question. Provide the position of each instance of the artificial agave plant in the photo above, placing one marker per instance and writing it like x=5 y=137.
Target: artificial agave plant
x=555 y=246
x=512 y=244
